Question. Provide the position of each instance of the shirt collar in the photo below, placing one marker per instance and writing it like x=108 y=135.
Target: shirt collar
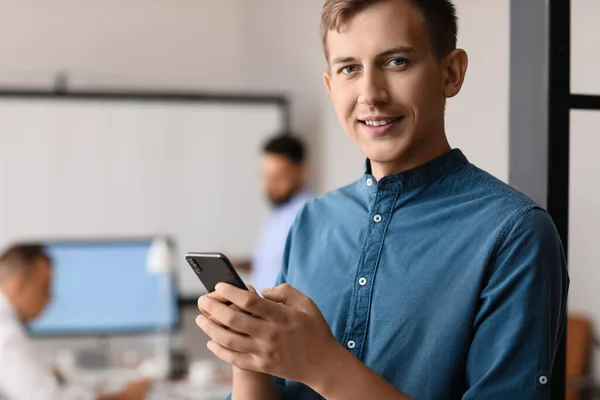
x=425 y=173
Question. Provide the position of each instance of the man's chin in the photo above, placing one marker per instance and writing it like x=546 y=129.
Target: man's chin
x=282 y=200
x=279 y=201
x=383 y=156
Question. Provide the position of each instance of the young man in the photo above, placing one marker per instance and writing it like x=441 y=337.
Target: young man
x=283 y=179
x=25 y=280
x=427 y=278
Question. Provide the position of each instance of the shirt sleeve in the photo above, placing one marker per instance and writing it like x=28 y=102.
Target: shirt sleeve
x=24 y=376
x=522 y=312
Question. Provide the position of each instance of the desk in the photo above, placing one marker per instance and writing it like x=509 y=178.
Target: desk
x=214 y=385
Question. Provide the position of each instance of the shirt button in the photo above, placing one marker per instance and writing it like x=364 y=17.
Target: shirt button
x=362 y=281
x=543 y=379
x=369 y=182
x=351 y=344
x=377 y=218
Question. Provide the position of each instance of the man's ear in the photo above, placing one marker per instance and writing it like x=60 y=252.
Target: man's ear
x=455 y=70
x=14 y=284
x=20 y=278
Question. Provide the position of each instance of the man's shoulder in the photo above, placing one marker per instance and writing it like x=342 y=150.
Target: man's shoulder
x=493 y=188
x=502 y=203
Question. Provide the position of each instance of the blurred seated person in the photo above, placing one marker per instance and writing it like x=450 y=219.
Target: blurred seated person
x=25 y=278
x=283 y=180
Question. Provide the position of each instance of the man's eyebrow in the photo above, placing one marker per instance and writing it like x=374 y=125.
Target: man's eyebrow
x=397 y=50
x=386 y=53
x=342 y=60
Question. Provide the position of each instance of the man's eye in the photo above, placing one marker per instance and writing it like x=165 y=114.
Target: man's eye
x=398 y=62
x=348 y=70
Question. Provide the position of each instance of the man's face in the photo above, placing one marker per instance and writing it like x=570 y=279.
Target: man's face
x=280 y=178
x=382 y=70
x=36 y=289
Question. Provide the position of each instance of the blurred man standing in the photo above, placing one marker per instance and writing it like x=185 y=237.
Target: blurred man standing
x=283 y=179
x=25 y=278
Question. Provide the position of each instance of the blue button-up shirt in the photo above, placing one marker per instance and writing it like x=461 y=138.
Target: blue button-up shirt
x=443 y=280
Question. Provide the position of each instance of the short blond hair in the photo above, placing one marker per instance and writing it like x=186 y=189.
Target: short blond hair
x=440 y=19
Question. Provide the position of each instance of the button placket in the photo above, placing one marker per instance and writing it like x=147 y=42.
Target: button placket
x=383 y=201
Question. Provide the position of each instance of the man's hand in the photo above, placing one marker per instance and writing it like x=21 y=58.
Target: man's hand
x=286 y=335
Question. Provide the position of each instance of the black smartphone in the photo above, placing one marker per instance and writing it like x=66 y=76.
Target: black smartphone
x=213 y=268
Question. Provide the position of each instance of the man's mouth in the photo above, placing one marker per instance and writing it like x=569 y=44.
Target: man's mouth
x=379 y=122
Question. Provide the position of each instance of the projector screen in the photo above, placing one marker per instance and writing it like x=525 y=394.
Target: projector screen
x=74 y=168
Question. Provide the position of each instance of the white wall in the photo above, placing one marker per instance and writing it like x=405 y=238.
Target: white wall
x=181 y=43
x=585 y=60
x=477 y=119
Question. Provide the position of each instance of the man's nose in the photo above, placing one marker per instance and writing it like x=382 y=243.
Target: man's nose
x=373 y=89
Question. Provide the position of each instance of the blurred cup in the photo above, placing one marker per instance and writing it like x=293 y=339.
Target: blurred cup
x=156 y=368
x=202 y=373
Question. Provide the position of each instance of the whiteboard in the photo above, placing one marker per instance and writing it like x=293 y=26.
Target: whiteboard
x=74 y=168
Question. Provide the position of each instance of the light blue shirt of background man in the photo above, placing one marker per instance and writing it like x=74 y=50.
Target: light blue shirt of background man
x=283 y=179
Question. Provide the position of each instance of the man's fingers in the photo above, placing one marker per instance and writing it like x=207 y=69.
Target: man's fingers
x=251 y=288
x=226 y=338
x=272 y=295
x=283 y=294
x=216 y=296
x=249 y=301
x=292 y=297
x=229 y=317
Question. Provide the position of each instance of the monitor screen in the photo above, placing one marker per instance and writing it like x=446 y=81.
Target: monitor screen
x=106 y=287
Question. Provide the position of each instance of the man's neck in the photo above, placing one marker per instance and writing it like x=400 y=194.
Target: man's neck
x=411 y=159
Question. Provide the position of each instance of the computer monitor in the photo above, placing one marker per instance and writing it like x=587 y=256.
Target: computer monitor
x=106 y=288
